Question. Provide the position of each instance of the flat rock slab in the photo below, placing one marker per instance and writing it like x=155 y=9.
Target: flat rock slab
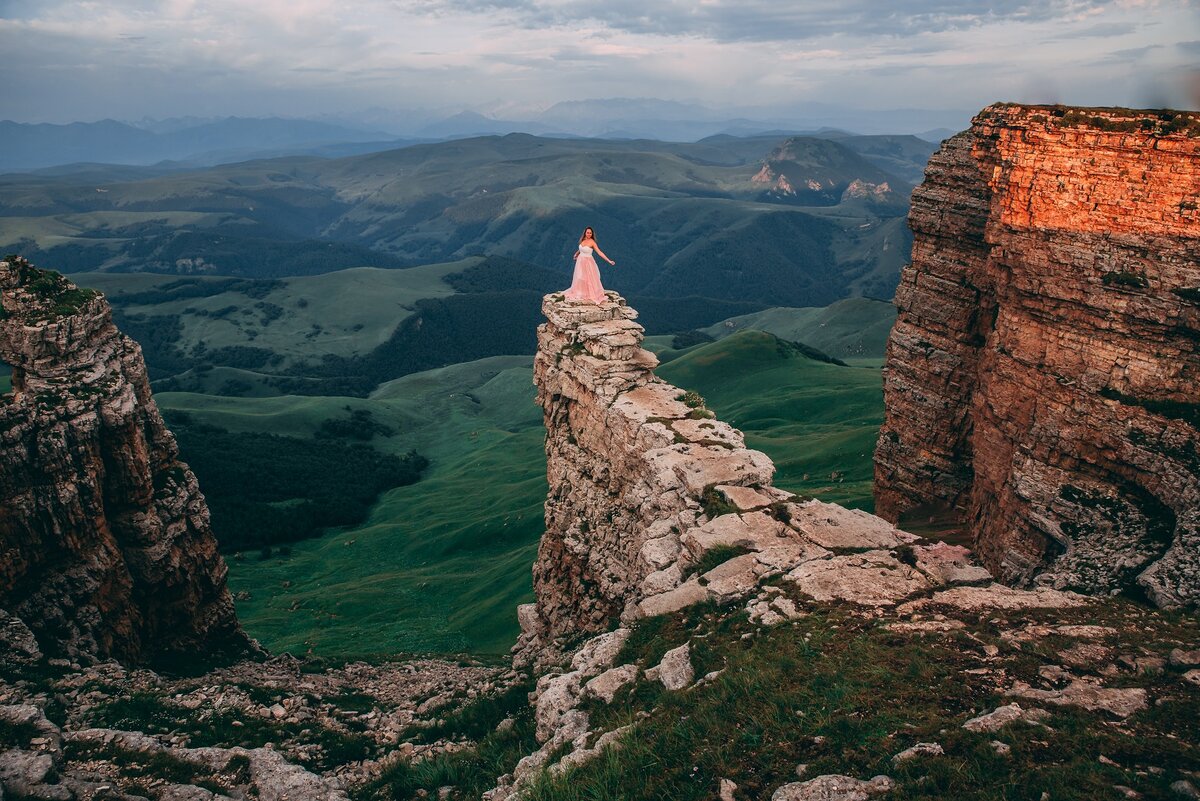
x=608 y=684
x=653 y=400
x=874 y=578
x=711 y=432
x=789 y=554
x=600 y=651
x=755 y=531
x=1090 y=695
x=747 y=499
x=833 y=788
x=733 y=579
x=949 y=565
x=1002 y=716
x=998 y=596
x=697 y=467
x=926 y=626
x=918 y=750
x=688 y=593
x=571 y=314
x=832 y=526
x=620 y=328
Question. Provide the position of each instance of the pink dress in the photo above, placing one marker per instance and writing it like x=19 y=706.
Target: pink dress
x=585 y=285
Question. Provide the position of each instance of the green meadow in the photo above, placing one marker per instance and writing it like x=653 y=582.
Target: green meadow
x=817 y=421
x=850 y=328
x=298 y=318
x=440 y=565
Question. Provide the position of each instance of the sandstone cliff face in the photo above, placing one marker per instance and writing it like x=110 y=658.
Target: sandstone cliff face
x=105 y=545
x=1043 y=377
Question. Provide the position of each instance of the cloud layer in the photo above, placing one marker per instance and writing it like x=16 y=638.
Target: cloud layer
x=85 y=59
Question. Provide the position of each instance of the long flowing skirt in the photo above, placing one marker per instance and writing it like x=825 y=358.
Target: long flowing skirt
x=585 y=285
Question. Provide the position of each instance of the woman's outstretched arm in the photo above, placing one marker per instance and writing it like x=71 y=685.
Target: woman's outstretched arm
x=606 y=258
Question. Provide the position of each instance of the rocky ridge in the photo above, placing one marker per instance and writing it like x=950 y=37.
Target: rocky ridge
x=105 y=544
x=654 y=506
x=250 y=730
x=1040 y=384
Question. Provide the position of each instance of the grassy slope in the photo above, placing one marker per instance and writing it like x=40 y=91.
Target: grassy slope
x=843 y=694
x=811 y=418
x=440 y=565
x=335 y=305
x=854 y=327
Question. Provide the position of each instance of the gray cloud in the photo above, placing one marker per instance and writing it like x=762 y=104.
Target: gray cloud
x=1101 y=30
x=78 y=59
x=1133 y=53
x=769 y=20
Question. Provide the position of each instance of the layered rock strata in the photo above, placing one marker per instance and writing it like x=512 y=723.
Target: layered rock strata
x=105 y=544
x=655 y=505
x=1041 y=379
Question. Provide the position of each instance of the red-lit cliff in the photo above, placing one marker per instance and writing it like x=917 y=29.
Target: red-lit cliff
x=1043 y=377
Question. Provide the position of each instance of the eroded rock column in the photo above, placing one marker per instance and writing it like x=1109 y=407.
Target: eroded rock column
x=105 y=543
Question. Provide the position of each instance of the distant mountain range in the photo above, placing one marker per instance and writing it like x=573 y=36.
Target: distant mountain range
x=766 y=220
x=189 y=142
x=26 y=146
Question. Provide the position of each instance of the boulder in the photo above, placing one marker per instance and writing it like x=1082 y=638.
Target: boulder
x=675 y=671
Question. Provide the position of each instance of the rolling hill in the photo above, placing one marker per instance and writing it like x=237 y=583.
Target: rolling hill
x=438 y=565
x=346 y=332
x=26 y=146
x=850 y=328
x=680 y=218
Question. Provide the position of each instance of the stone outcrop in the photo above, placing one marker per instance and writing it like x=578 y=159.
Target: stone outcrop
x=629 y=463
x=1041 y=378
x=654 y=505
x=105 y=544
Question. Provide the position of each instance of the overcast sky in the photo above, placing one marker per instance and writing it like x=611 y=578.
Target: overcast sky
x=70 y=60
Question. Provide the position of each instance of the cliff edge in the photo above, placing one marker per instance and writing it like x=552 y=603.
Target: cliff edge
x=654 y=505
x=105 y=544
x=1041 y=378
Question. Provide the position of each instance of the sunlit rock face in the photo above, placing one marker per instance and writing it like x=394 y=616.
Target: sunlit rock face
x=105 y=544
x=1042 y=383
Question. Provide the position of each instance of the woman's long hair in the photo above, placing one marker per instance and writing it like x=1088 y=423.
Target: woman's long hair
x=584 y=235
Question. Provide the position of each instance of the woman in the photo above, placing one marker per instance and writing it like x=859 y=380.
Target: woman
x=585 y=285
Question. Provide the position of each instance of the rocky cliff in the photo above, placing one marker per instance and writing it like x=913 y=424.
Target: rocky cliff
x=1041 y=378
x=632 y=462
x=105 y=545
x=655 y=505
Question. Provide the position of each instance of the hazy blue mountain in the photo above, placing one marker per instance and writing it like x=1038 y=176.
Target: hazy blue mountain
x=469 y=124
x=904 y=156
x=30 y=146
x=938 y=135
